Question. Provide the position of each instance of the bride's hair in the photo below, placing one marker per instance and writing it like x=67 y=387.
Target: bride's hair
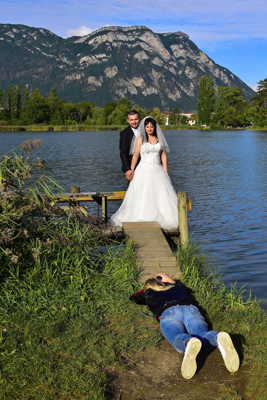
x=154 y=123
x=141 y=131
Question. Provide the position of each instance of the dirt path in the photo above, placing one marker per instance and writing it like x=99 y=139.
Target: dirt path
x=154 y=374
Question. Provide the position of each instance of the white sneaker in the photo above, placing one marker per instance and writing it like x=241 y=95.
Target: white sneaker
x=228 y=352
x=189 y=364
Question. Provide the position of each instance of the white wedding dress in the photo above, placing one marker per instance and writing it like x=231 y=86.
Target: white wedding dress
x=150 y=195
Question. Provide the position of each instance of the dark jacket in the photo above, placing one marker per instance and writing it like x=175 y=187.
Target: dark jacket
x=158 y=301
x=126 y=137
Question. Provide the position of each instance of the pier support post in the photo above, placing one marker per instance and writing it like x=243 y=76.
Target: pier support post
x=104 y=207
x=183 y=220
x=75 y=189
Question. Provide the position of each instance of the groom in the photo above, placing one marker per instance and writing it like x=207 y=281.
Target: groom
x=126 y=137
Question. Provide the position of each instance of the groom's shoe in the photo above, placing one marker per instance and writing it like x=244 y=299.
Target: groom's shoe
x=189 y=364
x=228 y=352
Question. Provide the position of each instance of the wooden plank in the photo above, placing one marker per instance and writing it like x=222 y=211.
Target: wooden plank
x=154 y=245
x=162 y=263
x=155 y=258
x=154 y=255
x=154 y=271
x=116 y=196
x=89 y=196
x=144 y=226
x=152 y=249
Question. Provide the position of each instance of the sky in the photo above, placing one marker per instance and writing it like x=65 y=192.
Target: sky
x=232 y=32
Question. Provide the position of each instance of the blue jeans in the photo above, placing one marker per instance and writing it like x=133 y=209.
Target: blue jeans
x=179 y=324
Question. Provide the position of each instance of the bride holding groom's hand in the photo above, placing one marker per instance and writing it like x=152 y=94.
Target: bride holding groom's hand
x=150 y=195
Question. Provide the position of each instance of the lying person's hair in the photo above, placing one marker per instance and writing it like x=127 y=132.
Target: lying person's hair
x=157 y=285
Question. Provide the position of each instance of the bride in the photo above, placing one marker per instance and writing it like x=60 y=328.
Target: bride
x=150 y=195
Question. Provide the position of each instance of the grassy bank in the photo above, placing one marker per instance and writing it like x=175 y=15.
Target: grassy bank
x=88 y=128
x=227 y=310
x=59 y=128
x=259 y=128
x=65 y=319
x=66 y=325
x=75 y=128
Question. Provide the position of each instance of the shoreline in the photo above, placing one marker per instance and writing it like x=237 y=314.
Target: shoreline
x=88 y=128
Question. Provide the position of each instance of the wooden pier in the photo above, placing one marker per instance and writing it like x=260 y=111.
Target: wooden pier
x=152 y=248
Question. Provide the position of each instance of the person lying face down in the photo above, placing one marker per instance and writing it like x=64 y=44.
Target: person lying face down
x=182 y=324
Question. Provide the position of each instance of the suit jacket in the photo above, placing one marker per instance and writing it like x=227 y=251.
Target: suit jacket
x=126 y=137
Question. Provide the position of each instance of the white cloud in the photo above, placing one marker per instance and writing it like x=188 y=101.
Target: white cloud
x=81 y=31
x=207 y=21
x=203 y=19
x=254 y=86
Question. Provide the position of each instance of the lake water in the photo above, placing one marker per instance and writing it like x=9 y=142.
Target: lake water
x=224 y=173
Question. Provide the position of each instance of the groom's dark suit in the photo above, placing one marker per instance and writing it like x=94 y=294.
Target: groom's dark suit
x=126 y=137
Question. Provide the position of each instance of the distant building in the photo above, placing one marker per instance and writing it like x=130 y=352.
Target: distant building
x=190 y=117
x=166 y=115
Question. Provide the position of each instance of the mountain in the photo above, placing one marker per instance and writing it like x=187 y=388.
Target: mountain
x=151 y=69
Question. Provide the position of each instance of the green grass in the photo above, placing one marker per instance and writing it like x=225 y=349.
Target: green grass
x=58 y=128
x=66 y=321
x=78 y=127
x=227 y=310
x=258 y=128
x=65 y=318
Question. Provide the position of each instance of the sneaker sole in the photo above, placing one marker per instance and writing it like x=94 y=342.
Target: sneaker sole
x=228 y=352
x=189 y=364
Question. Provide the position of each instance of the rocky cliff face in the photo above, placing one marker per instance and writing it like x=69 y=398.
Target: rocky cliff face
x=149 y=68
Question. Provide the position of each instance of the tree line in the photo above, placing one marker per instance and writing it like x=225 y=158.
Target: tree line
x=19 y=105
x=226 y=106
x=219 y=107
